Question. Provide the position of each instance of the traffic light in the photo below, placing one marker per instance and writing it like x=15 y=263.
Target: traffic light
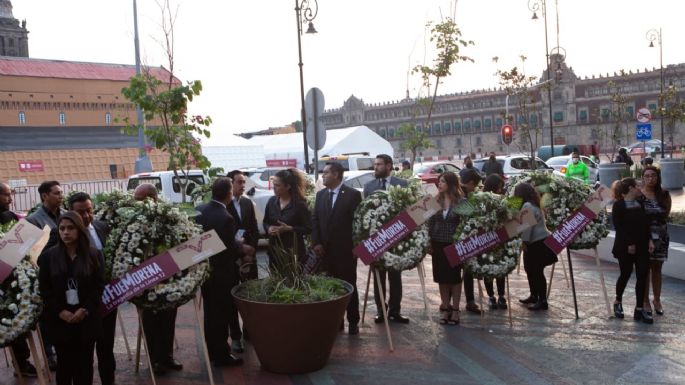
x=507 y=134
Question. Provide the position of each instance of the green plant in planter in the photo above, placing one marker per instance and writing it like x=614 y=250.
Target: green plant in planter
x=290 y=283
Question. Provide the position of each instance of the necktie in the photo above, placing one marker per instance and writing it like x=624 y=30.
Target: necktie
x=383 y=184
x=331 y=194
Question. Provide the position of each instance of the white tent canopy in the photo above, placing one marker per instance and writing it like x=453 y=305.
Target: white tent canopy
x=338 y=141
x=237 y=153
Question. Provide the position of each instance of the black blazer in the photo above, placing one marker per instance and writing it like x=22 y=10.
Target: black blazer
x=333 y=228
x=53 y=288
x=632 y=228
x=214 y=216
x=246 y=221
x=295 y=214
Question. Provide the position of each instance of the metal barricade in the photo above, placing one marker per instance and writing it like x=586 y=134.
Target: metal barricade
x=26 y=197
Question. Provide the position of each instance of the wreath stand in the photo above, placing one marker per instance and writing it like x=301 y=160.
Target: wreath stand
x=41 y=367
x=141 y=336
x=573 y=286
x=482 y=309
x=123 y=334
x=372 y=270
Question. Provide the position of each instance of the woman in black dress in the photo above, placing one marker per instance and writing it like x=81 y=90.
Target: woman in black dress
x=287 y=219
x=441 y=227
x=631 y=246
x=657 y=203
x=71 y=284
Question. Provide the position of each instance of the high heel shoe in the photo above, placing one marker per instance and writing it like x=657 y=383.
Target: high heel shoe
x=618 y=310
x=643 y=315
x=530 y=300
x=657 y=308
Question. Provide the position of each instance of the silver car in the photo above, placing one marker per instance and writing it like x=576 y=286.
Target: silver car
x=559 y=163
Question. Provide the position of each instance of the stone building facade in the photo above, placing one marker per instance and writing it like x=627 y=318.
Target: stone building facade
x=470 y=122
x=14 y=40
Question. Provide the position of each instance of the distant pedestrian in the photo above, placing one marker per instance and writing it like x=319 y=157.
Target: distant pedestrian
x=577 y=169
x=632 y=245
x=493 y=166
x=623 y=157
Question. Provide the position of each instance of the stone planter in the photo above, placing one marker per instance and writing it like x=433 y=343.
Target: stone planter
x=676 y=233
x=293 y=338
x=610 y=172
x=672 y=176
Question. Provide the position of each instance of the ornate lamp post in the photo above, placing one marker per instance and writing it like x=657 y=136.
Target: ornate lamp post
x=305 y=12
x=654 y=34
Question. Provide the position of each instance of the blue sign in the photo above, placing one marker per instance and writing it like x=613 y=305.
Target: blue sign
x=644 y=131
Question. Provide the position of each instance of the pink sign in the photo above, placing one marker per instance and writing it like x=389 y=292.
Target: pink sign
x=281 y=162
x=474 y=245
x=136 y=280
x=386 y=237
x=30 y=165
x=569 y=229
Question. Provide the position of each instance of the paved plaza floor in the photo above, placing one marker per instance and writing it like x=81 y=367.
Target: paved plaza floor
x=539 y=348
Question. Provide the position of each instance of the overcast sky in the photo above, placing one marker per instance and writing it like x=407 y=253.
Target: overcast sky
x=245 y=52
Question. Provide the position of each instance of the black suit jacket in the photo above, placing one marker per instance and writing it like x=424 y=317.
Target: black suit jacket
x=214 y=216
x=333 y=228
x=374 y=185
x=247 y=220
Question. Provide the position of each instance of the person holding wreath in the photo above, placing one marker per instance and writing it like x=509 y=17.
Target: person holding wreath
x=71 y=285
x=286 y=218
x=632 y=245
x=441 y=227
x=657 y=203
x=495 y=184
x=536 y=255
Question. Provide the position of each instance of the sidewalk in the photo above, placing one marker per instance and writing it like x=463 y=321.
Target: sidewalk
x=541 y=348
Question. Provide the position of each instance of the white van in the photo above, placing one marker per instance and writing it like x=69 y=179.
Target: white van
x=167 y=183
x=350 y=162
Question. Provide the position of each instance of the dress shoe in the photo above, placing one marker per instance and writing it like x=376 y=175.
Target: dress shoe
x=27 y=370
x=618 y=310
x=399 y=318
x=379 y=319
x=159 y=369
x=530 y=300
x=657 y=308
x=539 y=305
x=171 y=363
x=52 y=363
x=472 y=307
x=237 y=346
x=493 y=303
x=502 y=303
x=643 y=315
x=229 y=360
x=353 y=329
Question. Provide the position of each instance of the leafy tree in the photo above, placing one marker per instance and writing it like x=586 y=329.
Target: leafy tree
x=414 y=140
x=617 y=119
x=518 y=86
x=164 y=102
x=672 y=109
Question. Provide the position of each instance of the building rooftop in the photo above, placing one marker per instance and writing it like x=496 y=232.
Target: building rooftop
x=62 y=69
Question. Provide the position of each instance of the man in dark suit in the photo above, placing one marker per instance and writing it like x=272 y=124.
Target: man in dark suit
x=243 y=213
x=332 y=233
x=218 y=303
x=382 y=168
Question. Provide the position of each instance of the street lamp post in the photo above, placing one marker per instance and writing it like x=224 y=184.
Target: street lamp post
x=143 y=163
x=654 y=34
x=534 y=6
x=304 y=13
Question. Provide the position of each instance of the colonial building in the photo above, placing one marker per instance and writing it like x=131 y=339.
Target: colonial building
x=14 y=40
x=466 y=122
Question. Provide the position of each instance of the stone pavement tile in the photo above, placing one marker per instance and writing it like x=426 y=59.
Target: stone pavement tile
x=539 y=348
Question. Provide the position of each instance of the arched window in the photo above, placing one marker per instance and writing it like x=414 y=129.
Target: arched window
x=62 y=119
x=108 y=119
x=22 y=118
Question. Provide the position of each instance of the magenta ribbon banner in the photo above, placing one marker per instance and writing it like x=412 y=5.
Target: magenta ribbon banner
x=569 y=229
x=136 y=280
x=459 y=252
x=386 y=237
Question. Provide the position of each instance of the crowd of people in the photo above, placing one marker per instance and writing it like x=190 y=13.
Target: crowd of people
x=72 y=264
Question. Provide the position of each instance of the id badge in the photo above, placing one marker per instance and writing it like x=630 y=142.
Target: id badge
x=655 y=236
x=72 y=292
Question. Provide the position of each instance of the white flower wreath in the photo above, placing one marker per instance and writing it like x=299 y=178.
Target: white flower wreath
x=561 y=197
x=148 y=229
x=485 y=211
x=20 y=302
x=378 y=209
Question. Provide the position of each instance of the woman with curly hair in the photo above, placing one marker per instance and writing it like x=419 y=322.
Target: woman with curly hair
x=657 y=204
x=286 y=218
x=441 y=227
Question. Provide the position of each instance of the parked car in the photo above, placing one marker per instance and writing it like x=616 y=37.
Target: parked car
x=513 y=165
x=429 y=172
x=167 y=184
x=350 y=162
x=357 y=179
x=261 y=176
x=559 y=163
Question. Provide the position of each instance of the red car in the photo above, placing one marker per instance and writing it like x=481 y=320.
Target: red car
x=429 y=172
